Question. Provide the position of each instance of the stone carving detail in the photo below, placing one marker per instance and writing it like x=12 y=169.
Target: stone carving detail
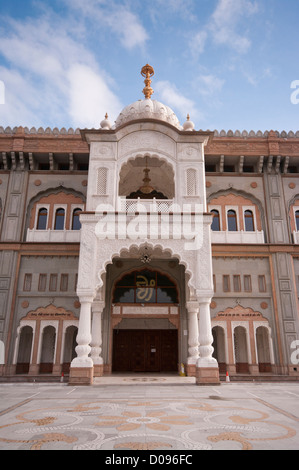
x=86 y=270
x=145 y=141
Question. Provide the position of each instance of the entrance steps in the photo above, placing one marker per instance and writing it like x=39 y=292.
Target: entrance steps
x=148 y=379
x=44 y=378
x=262 y=378
x=143 y=379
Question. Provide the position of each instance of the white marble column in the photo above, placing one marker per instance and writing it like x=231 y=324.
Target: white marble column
x=96 y=341
x=193 y=309
x=205 y=336
x=84 y=336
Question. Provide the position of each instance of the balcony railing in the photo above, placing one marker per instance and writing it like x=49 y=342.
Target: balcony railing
x=256 y=237
x=296 y=238
x=53 y=236
x=146 y=205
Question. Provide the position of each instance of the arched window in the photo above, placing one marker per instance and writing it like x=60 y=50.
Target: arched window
x=144 y=287
x=42 y=219
x=59 y=219
x=249 y=221
x=216 y=221
x=76 y=224
x=232 y=221
x=297 y=220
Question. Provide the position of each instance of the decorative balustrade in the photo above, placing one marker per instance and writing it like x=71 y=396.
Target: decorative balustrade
x=53 y=236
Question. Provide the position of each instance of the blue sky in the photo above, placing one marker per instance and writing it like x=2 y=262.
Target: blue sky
x=228 y=63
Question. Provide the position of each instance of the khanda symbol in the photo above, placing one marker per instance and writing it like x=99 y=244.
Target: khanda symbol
x=145 y=289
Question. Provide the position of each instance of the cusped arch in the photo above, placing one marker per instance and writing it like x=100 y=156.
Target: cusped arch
x=135 y=250
x=161 y=174
x=48 y=192
x=154 y=139
x=244 y=194
x=294 y=202
x=147 y=269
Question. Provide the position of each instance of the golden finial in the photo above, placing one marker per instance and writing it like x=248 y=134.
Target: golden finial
x=147 y=71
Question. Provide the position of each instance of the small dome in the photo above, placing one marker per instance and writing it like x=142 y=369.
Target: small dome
x=188 y=125
x=105 y=124
x=148 y=109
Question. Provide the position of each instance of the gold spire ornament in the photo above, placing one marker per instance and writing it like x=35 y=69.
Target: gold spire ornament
x=146 y=188
x=147 y=71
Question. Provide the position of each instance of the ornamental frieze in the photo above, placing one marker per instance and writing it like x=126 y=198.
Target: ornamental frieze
x=51 y=312
x=237 y=148
x=146 y=141
x=239 y=313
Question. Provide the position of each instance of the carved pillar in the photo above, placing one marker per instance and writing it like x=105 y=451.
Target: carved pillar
x=57 y=366
x=193 y=309
x=81 y=371
x=207 y=371
x=34 y=367
x=96 y=341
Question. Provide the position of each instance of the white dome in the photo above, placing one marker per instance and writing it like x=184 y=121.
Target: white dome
x=147 y=109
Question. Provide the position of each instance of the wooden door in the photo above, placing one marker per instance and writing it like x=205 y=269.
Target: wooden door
x=153 y=350
x=121 y=351
x=137 y=340
x=169 y=350
x=145 y=351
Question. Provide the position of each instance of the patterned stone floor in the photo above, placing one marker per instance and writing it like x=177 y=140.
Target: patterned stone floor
x=145 y=414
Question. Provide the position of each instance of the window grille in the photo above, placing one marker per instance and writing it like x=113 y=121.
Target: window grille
x=102 y=182
x=191 y=182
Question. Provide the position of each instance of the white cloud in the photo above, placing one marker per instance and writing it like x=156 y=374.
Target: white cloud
x=172 y=97
x=208 y=84
x=225 y=20
x=199 y=42
x=90 y=96
x=51 y=78
x=21 y=103
x=128 y=26
x=224 y=25
x=119 y=19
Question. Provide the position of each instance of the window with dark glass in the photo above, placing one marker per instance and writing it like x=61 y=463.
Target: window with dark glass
x=42 y=282
x=27 y=282
x=262 y=283
x=64 y=282
x=226 y=283
x=53 y=282
x=76 y=224
x=145 y=287
x=42 y=219
x=237 y=283
x=249 y=221
x=216 y=221
x=59 y=219
x=247 y=283
x=232 y=221
x=297 y=220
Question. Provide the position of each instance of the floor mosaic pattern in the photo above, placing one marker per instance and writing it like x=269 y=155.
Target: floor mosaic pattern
x=61 y=418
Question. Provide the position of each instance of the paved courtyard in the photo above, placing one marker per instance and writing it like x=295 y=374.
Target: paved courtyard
x=149 y=413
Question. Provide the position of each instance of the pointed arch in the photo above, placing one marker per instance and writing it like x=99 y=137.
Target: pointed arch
x=40 y=199
x=134 y=251
x=248 y=199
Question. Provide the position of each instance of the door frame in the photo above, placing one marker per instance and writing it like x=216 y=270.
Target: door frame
x=157 y=343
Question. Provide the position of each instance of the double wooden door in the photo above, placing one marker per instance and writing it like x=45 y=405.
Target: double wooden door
x=145 y=351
